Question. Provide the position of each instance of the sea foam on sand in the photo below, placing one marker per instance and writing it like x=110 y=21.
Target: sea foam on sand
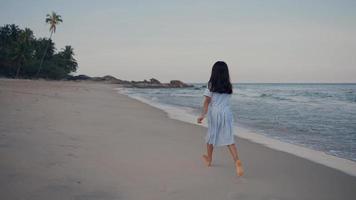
x=186 y=115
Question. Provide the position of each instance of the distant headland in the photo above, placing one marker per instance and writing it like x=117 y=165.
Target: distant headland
x=152 y=83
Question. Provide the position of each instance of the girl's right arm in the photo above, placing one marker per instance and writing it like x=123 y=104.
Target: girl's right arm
x=205 y=109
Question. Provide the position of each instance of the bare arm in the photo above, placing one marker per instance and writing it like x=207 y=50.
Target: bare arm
x=205 y=109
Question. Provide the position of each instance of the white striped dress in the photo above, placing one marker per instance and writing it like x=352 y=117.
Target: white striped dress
x=220 y=119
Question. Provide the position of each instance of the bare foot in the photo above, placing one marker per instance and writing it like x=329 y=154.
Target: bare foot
x=207 y=160
x=239 y=169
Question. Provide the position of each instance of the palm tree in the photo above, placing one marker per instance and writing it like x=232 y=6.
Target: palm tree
x=53 y=20
x=23 y=50
x=68 y=55
x=65 y=59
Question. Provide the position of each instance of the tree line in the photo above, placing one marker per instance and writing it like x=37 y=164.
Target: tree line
x=22 y=55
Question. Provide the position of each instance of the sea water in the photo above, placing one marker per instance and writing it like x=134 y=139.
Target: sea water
x=321 y=117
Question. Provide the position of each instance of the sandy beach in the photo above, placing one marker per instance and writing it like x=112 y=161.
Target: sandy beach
x=77 y=140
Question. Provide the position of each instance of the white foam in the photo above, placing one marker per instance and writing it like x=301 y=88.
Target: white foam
x=185 y=115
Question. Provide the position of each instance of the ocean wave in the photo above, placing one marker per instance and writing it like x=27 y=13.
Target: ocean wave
x=273 y=96
x=184 y=95
x=348 y=96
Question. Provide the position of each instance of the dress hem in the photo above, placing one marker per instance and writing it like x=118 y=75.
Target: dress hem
x=223 y=144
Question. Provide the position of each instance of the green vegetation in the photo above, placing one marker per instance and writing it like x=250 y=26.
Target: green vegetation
x=23 y=55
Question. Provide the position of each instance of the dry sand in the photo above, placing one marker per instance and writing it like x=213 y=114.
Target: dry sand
x=63 y=140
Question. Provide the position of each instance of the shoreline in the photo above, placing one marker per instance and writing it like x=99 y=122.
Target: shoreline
x=320 y=157
x=61 y=140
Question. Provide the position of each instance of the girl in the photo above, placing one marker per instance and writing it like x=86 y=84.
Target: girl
x=220 y=118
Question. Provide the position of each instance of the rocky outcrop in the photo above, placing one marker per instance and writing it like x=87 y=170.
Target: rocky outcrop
x=152 y=83
x=155 y=81
x=178 y=84
x=78 y=78
x=109 y=79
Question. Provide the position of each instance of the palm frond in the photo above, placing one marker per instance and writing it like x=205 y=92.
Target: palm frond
x=53 y=19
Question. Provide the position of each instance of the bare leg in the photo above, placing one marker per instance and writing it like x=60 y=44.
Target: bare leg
x=209 y=157
x=233 y=151
x=235 y=156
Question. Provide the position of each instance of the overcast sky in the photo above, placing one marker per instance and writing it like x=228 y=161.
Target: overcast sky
x=261 y=41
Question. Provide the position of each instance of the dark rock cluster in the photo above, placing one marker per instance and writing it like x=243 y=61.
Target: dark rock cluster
x=152 y=83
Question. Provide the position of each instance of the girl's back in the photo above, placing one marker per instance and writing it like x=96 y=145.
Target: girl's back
x=218 y=99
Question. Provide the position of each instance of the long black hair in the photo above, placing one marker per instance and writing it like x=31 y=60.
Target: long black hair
x=220 y=79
